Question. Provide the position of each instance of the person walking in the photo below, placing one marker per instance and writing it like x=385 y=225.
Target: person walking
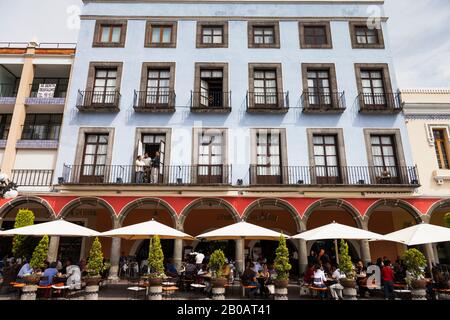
x=139 y=168
x=156 y=162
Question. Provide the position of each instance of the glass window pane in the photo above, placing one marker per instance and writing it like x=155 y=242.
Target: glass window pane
x=167 y=32
x=156 y=35
x=103 y=139
x=105 y=34
x=116 y=34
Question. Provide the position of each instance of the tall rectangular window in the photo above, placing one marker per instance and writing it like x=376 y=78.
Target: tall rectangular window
x=326 y=158
x=441 y=148
x=210 y=157
x=319 y=90
x=211 y=87
x=384 y=156
x=373 y=87
x=158 y=86
x=104 y=86
x=94 y=157
x=268 y=157
x=265 y=86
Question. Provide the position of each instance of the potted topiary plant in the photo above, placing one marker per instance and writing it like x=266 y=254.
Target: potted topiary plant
x=218 y=281
x=37 y=262
x=346 y=267
x=95 y=264
x=415 y=263
x=447 y=219
x=24 y=218
x=282 y=268
x=156 y=268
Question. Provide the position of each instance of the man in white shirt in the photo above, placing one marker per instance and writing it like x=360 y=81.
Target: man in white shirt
x=199 y=256
x=139 y=169
x=74 y=279
x=336 y=288
x=147 y=167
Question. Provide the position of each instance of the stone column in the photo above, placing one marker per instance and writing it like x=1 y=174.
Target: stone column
x=302 y=256
x=115 y=256
x=240 y=261
x=52 y=254
x=18 y=117
x=178 y=253
x=365 y=251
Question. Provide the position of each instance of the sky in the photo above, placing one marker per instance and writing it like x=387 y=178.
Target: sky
x=418 y=33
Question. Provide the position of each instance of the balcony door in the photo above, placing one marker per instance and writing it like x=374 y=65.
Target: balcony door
x=326 y=159
x=158 y=87
x=268 y=155
x=104 y=86
x=210 y=158
x=384 y=159
x=319 y=90
x=93 y=168
x=211 y=88
x=265 y=86
x=373 y=88
x=151 y=143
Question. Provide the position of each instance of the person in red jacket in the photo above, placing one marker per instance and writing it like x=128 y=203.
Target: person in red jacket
x=387 y=273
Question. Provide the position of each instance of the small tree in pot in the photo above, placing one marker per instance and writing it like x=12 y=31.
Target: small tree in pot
x=281 y=264
x=155 y=262
x=95 y=265
x=447 y=219
x=415 y=263
x=346 y=266
x=38 y=259
x=20 y=246
x=216 y=263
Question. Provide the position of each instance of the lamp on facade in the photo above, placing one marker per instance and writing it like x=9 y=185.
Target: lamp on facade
x=8 y=189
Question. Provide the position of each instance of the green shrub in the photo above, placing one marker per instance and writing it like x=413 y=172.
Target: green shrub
x=281 y=263
x=415 y=263
x=24 y=218
x=156 y=258
x=95 y=265
x=345 y=261
x=447 y=219
x=216 y=263
x=40 y=254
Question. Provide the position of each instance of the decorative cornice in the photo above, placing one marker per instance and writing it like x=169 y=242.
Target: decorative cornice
x=426 y=91
x=227 y=18
x=242 y=1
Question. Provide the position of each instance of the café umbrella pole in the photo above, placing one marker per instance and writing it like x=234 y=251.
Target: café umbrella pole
x=336 y=249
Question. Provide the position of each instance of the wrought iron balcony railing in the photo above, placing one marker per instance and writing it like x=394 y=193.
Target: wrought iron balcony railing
x=132 y=175
x=32 y=177
x=380 y=103
x=276 y=102
x=98 y=100
x=334 y=175
x=321 y=102
x=210 y=101
x=154 y=101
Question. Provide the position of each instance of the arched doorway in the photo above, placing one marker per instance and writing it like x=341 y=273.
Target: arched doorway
x=326 y=211
x=277 y=215
x=206 y=214
x=436 y=214
x=142 y=210
x=91 y=212
x=43 y=212
x=386 y=216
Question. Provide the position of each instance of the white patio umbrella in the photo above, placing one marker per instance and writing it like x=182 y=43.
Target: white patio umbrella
x=422 y=233
x=334 y=231
x=146 y=230
x=241 y=230
x=59 y=227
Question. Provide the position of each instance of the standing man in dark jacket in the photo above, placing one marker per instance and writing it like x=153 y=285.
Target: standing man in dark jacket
x=155 y=167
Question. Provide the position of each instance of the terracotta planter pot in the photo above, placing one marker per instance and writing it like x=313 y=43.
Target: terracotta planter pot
x=92 y=280
x=347 y=283
x=419 y=284
x=218 y=282
x=32 y=279
x=281 y=283
x=154 y=282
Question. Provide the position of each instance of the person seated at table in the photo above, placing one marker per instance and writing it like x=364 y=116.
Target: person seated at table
x=361 y=275
x=308 y=278
x=26 y=269
x=319 y=280
x=272 y=272
x=264 y=275
x=226 y=269
x=171 y=269
x=249 y=279
x=74 y=276
x=49 y=272
x=336 y=287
